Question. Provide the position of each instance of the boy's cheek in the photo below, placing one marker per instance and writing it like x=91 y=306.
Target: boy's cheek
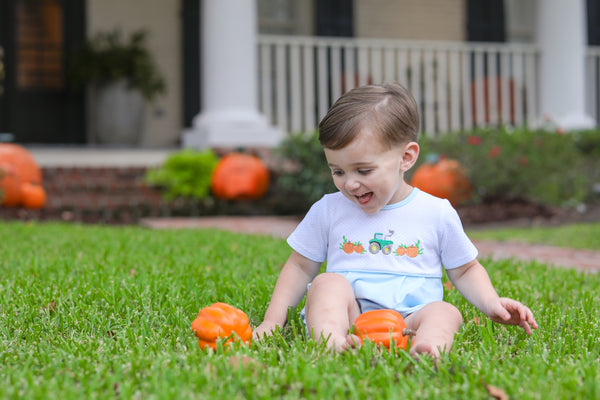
x=338 y=182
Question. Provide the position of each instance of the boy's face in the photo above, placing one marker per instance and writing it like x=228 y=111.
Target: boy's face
x=370 y=175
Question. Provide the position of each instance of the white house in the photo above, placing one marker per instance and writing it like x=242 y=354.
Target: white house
x=246 y=72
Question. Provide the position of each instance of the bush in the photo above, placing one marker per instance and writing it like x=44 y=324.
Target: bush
x=544 y=166
x=186 y=173
x=305 y=176
x=538 y=165
x=588 y=142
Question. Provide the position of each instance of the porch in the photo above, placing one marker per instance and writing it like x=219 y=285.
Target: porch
x=95 y=185
x=458 y=85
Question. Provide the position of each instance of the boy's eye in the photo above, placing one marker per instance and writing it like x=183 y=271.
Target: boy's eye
x=364 y=171
x=337 y=173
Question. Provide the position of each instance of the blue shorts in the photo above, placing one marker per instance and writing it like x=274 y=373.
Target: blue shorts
x=403 y=293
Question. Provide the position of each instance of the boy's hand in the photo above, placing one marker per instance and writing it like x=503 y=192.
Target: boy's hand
x=511 y=312
x=266 y=328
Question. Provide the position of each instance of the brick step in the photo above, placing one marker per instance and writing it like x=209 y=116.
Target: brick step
x=95 y=194
x=95 y=188
x=59 y=179
x=119 y=195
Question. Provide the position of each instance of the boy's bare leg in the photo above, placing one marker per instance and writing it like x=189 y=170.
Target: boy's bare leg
x=435 y=326
x=330 y=310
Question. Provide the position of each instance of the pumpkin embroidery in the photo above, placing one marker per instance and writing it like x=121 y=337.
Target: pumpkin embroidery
x=411 y=251
x=381 y=243
x=351 y=247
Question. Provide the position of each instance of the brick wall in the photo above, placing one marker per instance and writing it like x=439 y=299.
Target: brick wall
x=111 y=195
x=119 y=195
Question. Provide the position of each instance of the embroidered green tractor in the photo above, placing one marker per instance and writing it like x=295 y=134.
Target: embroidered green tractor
x=381 y=244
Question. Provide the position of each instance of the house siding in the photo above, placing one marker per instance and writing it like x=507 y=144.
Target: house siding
x=164 y=119
x=411 y=19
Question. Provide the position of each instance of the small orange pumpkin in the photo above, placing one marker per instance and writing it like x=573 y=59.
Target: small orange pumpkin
x=239 y=176
x=10 y=186
x=383 y=326
x=221 y=320
x=23 y=162
x=18 y=168
x=444 y=178
x=33 y=195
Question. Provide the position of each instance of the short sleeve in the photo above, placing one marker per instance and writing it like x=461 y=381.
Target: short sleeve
x=310 y=238
x=456 y=249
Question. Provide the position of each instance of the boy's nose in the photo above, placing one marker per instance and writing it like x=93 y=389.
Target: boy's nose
x=352 y=184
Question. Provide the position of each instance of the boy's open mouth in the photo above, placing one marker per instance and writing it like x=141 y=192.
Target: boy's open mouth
x=364 y=199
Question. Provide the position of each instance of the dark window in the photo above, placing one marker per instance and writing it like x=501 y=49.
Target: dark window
x=40 y=44
x=485 y=21
x=593 y=22
x=191 y=60
x=37 y=104
x=334 y=18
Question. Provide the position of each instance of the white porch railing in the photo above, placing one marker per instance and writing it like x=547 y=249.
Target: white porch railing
x=593 y=82
x=457 y=85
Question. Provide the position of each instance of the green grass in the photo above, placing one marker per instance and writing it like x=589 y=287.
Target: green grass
x=105 y=312
x=579 y=236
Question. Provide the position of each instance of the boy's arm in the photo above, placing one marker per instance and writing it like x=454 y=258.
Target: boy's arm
x=291 y=285
x=473 y=282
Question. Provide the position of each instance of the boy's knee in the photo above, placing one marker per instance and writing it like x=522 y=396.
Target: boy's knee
x=447 y=310
x=456 y=314
x=451 y=311
x=329 y=280
x=329 y=283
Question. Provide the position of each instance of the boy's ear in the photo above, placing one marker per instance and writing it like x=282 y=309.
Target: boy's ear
x=410 y=155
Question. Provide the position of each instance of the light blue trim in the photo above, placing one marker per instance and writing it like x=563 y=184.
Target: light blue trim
x=391 y=273
x=404 y=202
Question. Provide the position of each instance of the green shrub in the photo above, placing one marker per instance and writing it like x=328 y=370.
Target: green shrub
x=305 y=175
x=186 y=173
x=588 y=142
x=539 y=165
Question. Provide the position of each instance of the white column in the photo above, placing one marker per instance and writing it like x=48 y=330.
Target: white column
x=562 y=40
x=230 y=115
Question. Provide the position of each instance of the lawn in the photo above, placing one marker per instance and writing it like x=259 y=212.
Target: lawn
x=579 y=236
x=105 y=312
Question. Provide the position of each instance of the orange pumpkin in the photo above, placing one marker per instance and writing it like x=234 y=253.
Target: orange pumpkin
x=18 y=168
x=10 y=186
x=221 y=320
x=23 y=162
x=239 y=176
x=445 y=179
x=32 y=195
x=381 y=327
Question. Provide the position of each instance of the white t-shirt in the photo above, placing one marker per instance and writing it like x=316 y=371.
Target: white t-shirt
x=416 y=237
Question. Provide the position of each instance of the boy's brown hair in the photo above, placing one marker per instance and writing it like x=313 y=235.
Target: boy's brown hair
x=388 y=110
